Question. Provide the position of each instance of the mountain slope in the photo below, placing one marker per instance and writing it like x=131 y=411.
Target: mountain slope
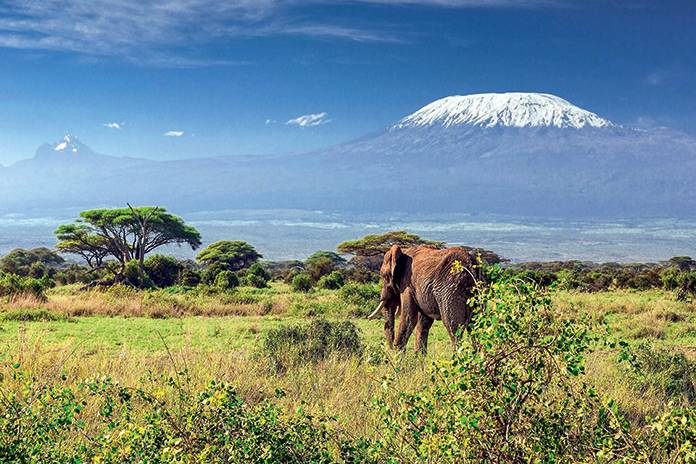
x=523 y=154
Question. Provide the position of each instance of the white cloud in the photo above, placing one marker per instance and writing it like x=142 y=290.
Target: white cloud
x=113 y=125
x=173 y=133
x=310 y=120
x=167 y=33
x=270 y=121
x=171 y=33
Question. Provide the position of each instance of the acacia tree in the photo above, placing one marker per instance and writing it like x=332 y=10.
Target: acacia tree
x=81 y=240
x=232 y=255
x=124 y=234
x=378 y=244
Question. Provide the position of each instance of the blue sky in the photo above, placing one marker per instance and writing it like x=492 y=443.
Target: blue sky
x=189 y=78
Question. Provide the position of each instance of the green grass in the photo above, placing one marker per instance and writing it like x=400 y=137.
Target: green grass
x=110 y=335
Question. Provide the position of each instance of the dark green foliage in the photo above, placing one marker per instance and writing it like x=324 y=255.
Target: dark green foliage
x=319 y=267
x=363 y=296
x=124 y=234
x=683 y=263
x=668 y=371
x=135 y=276
x=323 y=263
x=302 y=282
x=210 y=272
x=232 y=254
x=378 y=244
x=336 y=259
x=226 y=280
x=46 y=423
x=291 y=345
x=13 y=285
x=75 y=273
x=332 y=281
x=256 y=276
x=686 y=285
x=283 y=270
x=163 y=270
x=189 y=277
x=35 y=262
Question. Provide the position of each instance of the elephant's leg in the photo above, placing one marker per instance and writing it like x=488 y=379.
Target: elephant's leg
x=422 y=328
x=407 y=321
x=389 y=327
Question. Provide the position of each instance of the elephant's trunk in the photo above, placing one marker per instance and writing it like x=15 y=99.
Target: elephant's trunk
x=379 y=308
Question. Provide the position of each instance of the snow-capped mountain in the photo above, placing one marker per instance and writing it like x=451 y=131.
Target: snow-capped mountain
x=512 y=153
x=68 y=147
x=513 y=109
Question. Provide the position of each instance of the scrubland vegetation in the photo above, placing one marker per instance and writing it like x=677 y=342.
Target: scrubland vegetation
x=235 y=359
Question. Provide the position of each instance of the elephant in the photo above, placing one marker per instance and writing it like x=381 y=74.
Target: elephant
x=424 y=284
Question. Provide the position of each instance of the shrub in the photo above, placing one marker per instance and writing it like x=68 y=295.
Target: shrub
x=135 y=276
x=364 y=297
x=210 y=272
x=686 y=285
x=667 y=371
x=211 y=424
x=670 y=278
x=163 y=270
x=302 y=282
x=189 y=277
x=292 y=345
x=13 y=285
x=226 y=280
x=513 y=396
x=333 y=281
x=320 y=266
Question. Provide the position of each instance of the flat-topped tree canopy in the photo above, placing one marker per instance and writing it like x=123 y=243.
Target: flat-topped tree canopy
x=230 y=254
x=125 y=233
x=378 y=244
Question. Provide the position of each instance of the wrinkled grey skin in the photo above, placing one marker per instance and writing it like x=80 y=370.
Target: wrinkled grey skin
x=420 y=285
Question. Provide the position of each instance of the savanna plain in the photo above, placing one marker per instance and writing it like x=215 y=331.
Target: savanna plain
x=560 y=365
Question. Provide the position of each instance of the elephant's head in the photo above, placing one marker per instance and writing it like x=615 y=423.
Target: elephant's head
x=395 y=274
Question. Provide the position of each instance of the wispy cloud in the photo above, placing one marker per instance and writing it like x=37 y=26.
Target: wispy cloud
x=171 y=33
x=113 y=125
x=310 y=120
x=173 y=133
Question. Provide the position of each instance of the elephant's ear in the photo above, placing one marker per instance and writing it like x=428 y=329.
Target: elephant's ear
x=398 y=266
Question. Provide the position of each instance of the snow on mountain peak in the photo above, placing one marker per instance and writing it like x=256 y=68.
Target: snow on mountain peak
x=513 y=109
x=69 y=143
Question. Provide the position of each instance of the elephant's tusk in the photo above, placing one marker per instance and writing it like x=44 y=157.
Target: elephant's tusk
x=398 y=311
x=374 y=313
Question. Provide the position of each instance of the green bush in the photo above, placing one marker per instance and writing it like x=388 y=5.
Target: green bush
x=515 y=395
x=363 y=297
x=302 y=282
x=211 y=271
x=332 y=281
x=163 y=270
x=292 y=345
x=686 y=285
x=667 y=371
x=13 y=285
x=226 y=280
x=135 y=276
x=189 y=277
x=46 y=423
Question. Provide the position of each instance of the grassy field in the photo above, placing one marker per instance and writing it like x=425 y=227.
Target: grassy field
x=143 y=338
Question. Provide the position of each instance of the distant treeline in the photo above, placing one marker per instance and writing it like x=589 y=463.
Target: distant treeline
x=117 y=246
